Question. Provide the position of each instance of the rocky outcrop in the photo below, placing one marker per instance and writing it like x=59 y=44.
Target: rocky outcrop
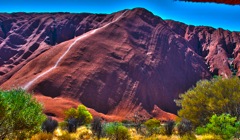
x=129 y=63
x=162 y=115
x=219 y=47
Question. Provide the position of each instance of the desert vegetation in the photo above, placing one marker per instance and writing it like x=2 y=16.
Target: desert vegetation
x=209 y=111
x=20 y=116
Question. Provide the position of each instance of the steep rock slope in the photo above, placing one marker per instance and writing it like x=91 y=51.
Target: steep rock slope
x=133 y=64
x=23 y=36
x=219 y=47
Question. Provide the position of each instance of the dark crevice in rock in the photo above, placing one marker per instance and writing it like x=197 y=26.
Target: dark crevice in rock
x=50 y=114
x=3 y=30
x=54 y=35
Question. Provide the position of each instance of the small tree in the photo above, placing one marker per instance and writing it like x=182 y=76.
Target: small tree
x=84 y=116
x=223 y=125
x=116 y=131
x=77 y=117
x=153 y=126
x=22 y=115
x=217 y=96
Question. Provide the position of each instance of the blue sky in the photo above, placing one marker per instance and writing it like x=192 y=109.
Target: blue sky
x=208 y=14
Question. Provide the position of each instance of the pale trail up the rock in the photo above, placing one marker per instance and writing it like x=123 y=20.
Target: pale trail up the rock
x=29 y=84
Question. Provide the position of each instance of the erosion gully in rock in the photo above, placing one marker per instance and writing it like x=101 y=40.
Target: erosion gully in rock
x=118 y=65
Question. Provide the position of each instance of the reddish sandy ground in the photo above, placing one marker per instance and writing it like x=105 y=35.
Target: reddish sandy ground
x=55 y=107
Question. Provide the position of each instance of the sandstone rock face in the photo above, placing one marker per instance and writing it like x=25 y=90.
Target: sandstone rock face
x=24 y=36
x=130 y=62
x=219 y=47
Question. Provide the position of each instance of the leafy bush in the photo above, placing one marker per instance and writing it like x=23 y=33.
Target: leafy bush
x=42 y=136
x=49 y=125
x=217 y=96
x=116 y=131
x=21 y=114
x=77 y=117
x=223 y=125
x=153 y=126
x=184 y=127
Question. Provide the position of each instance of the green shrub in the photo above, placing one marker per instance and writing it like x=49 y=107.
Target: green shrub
x=21 y=116
x=81 y=114
x=116 y=131
x=153 y=126
x=77 y=117
x=42 y=136
x=217 y=96
x=223 y=125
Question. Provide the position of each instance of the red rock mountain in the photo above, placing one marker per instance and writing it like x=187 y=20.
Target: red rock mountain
x=119 y=65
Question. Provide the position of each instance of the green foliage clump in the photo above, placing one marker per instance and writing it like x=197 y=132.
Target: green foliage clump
x=82 y=115
x=77 y=117
x=21 y=115
x=217 y=96
x=116 y=131
x=223 y=125
x=153 y=126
